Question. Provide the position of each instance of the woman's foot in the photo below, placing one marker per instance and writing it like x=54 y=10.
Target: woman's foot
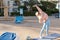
x=40 y=37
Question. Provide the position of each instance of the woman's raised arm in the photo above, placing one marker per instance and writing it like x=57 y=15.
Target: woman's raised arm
x=39 y=9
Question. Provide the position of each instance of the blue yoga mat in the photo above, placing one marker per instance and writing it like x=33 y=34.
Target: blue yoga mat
x=48 y=37
x=8 y=36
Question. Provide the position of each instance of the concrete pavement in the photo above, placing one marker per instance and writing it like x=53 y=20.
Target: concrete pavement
x=29 y=27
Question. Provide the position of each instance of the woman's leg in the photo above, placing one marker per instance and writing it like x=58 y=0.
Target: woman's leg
x=47 y=27
x=41 y=32
x=47 y=30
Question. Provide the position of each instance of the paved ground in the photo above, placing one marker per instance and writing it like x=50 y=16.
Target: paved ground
x=29 y=27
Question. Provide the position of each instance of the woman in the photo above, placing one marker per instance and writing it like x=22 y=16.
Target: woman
x=43 y=18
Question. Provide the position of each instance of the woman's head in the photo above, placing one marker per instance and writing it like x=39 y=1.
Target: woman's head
x=37 y=13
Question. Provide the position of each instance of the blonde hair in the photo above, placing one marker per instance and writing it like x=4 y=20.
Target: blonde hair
x=36 y=13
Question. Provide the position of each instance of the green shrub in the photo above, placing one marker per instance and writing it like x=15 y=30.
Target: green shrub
x=55 y=10
x=1 y=12
x=47 y=7
x=27 y=13
x=48 y=11
x=50 y=7
x=15 y=13
x=24 y=7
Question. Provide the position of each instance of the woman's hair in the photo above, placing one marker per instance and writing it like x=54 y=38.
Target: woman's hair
x=37 y=13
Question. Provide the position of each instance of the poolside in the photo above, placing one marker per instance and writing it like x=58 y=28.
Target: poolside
x=29 y=27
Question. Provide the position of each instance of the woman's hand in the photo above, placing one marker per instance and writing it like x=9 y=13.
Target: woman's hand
x=34 y=5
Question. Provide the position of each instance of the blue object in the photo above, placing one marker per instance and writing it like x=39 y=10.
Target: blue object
x=8 y=36
x=52 y=36
x=49 y=37
x=35 y=39
x=18 y=19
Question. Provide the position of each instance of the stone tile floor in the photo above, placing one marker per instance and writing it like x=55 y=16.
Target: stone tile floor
x=29 y=27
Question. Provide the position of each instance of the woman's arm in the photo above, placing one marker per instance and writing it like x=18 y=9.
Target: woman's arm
x=39 y=9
